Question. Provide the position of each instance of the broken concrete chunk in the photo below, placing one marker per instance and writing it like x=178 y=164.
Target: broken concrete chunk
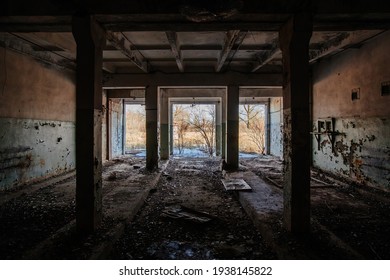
x=235 y=185
x=112 y=176
x=186 y=214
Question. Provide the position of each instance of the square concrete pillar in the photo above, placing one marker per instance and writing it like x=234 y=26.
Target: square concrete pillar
x=164 y=126
x=223 y=124
x=171 y=128
x=151 y=104
x=218 y=128
x=90 y=39
x=232 y=131
x=294 y=40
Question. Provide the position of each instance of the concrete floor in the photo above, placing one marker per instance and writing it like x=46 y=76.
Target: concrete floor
x=348 y=222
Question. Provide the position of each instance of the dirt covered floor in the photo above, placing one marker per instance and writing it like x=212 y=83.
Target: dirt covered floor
x=185 y=213
x=38 y=220
x=195 y=186
x=355 y=215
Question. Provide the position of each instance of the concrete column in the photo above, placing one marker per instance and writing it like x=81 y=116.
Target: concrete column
x=164 y=126
x=90 y=39
x=124 y=130
x=151 y=101
x=218 y=128
x=294 y=40
x=232 y=127
x=224 y=136
x=109 y=128
x=171 y=140
x=267 y=127
x=223 y=125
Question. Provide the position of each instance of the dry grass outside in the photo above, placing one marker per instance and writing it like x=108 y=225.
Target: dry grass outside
x=135 y=127
x=186 y=135
x=252 y=139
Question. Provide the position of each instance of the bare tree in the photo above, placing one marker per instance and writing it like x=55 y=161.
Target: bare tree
x=248 y=113
x=203 y=121
x=256 y=134
x=135 y=127
x=180 y=116
x=252 y=137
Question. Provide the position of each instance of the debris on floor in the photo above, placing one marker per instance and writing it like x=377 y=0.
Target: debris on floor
x=183 y=213
x=236 y=185
x=191 y=184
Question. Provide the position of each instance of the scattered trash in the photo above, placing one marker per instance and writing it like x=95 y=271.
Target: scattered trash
x=187 y=214
x=169 y=177
x=235 y=185
x=112 y=176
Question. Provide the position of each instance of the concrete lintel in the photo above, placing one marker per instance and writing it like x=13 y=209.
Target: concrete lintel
x=112 y=81
x=126 y=93
x=294 y=40
x=90 y=39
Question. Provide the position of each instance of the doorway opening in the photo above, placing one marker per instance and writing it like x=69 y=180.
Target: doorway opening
x=252 y=130
x=194 y=130
x=135 y=130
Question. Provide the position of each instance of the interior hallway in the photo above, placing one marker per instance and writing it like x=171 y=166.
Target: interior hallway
x=319 y=68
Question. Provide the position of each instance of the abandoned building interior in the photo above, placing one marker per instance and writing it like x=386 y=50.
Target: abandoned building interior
x=318 y=190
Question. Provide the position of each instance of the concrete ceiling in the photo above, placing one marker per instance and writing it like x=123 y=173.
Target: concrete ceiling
x=164 y=37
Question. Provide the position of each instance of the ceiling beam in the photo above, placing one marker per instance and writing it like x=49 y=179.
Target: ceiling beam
x=214 y=47
x=119 y=41
x=320 y=23
x=265 y=57
x=39 y=53
x=111 y=81
x=172 y=39
x=233 y=41
x=121 y=7
x=57 y=42
x=341 y=42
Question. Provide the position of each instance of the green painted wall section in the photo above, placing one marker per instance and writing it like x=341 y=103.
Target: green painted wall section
x=223 y=140
x=218 y=137
x=164 y=141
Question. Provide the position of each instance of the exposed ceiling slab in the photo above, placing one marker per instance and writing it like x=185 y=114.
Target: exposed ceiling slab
x=163 y=36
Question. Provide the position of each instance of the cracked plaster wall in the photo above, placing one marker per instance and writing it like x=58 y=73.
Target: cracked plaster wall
x=276 y=132
x=37 y=120
x=361 y=151
x=117 y=127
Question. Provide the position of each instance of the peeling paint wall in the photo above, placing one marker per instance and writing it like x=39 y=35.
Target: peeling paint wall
x=32 y=149
x=361 y=146
x=276 y=126
x=37 y=120
x=104 y=127
x=361 y=152
x=116 y=127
